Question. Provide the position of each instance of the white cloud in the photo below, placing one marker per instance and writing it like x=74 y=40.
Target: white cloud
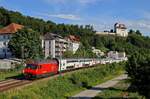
x=87 y=1
x=62 y=16
x=77 y=1
x=66 y=16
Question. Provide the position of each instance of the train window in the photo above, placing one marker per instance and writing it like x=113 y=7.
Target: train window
x=71 y=61
x=31 y=66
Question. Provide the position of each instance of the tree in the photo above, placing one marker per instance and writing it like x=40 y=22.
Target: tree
x=68 y=54
x=138 y=68
x=138 y=32
x=26 y=43
x=131 y=31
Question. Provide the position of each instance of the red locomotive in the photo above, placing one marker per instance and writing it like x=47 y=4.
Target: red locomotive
x=38 y=69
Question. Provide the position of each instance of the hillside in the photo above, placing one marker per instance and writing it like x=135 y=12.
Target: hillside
x=134 y=42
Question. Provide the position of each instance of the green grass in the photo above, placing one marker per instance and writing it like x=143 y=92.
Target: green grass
x=8 y=74
x=11 y=73
x=119 y=91
x=68 y=85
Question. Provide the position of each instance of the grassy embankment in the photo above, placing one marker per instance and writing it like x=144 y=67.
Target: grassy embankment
x=7 y=74
x=64 y=86
x=11 y=73
x=122 y=90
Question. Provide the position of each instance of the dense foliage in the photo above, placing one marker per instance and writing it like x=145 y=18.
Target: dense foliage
x=42 y=26
x=82 y=52
x=130 y=44
x=26 y=43
x=138 y=69
x=64 y=86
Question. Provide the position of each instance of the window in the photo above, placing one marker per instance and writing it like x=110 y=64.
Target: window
x=8 y=50
x=4 y=50
x=5 y=43
x=4 y=36
x=8 y=36
x=31 y=66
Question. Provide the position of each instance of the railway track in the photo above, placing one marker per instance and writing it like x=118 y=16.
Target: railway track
x=12 y=83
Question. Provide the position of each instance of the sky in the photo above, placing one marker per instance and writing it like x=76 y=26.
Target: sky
x=102 y=14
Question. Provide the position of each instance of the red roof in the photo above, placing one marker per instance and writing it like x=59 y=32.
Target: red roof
x=12 y=28
x=73 y=38
x=121 y=26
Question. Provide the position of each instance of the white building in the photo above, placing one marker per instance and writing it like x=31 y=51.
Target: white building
x=53 y=45
x=73 y=43
x=5 y=36
x=119 y=30
x=116 y=55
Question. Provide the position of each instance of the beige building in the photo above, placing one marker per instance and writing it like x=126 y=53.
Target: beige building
x=119 y=30
x=116 y=55
x=54 y=45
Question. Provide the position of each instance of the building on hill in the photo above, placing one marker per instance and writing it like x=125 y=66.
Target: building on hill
x=54 y=45
x=119 y=30
x=5 y=36
x=73 y=43
x=116 y=55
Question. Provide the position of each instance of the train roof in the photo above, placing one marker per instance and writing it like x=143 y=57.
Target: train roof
x=43 y=62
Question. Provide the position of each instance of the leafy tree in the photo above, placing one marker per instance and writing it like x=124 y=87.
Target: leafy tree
x=84 y=53
x=68 y=54
x=138 y=32
x=138 y=68
x=26 y=43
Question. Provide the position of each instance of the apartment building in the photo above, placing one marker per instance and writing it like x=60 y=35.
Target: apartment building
x=5 y=35
x=53 y=45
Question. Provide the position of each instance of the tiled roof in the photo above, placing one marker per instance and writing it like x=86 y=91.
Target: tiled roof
x=73 y=38
x=12 y=28
x=121 y=26
x=50 y=36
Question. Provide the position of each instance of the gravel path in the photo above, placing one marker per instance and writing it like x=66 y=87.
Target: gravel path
x=90 y=93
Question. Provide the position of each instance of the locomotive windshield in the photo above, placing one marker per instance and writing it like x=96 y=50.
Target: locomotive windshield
x=31 y=66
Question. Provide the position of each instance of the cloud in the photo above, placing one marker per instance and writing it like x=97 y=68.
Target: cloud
x=87 y=1
x=75 y=1
x=66 y=16
x=62 y=16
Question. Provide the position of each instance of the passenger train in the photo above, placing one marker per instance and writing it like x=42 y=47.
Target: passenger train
x=42 y=68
